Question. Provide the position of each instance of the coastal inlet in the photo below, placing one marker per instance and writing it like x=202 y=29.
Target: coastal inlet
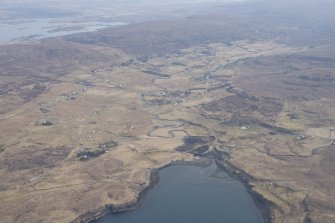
x=192 y=193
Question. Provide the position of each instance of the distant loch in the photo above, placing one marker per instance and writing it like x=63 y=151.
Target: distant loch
x=41 y=28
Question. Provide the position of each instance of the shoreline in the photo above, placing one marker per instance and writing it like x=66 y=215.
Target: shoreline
x=264 y=206
x=92 y=216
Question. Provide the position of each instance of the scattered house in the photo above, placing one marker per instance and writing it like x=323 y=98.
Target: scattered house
x=45 y=122
x=103 y=148
x=70 y=96
x=174 y=102
x=83 y=89
x=198 y=90
x=244 y=127
x=44 y=110
x=161 y=93
x=85 y=83
x=294 y=115
x=99 y=70
x=301 y=137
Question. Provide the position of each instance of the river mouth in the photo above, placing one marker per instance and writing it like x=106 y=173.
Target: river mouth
x=190 y=193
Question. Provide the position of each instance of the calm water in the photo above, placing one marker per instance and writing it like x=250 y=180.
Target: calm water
x=40 y=28
x=188 y=194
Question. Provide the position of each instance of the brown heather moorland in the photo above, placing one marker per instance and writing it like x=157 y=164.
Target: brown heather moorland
x=85 y=118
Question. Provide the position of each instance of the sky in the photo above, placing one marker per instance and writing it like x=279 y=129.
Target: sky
x=86 y=2
x=10 y=9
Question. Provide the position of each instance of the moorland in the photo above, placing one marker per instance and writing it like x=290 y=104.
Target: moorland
x=85 y=118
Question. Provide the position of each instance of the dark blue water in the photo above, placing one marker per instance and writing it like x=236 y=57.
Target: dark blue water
x=190 y=194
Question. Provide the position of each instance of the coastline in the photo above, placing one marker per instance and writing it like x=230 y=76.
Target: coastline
x=264 y=206
x=92 y=216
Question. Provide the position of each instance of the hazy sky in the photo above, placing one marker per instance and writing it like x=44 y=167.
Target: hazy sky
x=10 y=9
x=54 y=2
